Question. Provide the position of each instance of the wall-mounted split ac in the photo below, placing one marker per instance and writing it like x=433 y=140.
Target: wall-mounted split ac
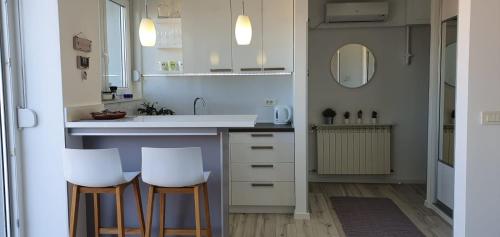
x=356 y=12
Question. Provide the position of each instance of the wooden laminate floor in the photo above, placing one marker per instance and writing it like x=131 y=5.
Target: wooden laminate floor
x=324 y=221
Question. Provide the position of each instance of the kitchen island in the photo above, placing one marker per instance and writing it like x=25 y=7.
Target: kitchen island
x=210 y=132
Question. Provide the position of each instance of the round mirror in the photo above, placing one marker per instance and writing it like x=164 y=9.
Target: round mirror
x=353 y=65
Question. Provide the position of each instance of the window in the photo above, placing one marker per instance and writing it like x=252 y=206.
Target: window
x=116 y=43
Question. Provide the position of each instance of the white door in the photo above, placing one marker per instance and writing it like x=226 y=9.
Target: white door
x=206 y=26
x=278 y=35
x=248 y=58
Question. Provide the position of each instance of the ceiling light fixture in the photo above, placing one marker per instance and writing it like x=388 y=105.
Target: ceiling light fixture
x=243 y=29
x=147 y=29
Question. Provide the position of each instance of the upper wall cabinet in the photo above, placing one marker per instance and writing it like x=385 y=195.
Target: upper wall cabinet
x=271 y=48
x=248 y=58
x=206 y=36
x=198 y=37
x=418 y=12
x=278 y=35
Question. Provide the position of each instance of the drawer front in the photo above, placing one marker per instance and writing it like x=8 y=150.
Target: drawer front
x=262 y=172
x=248 y=153
x=262 y=193
x=261 y=137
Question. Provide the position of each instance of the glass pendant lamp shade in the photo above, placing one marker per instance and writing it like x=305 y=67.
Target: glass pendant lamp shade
x=243 y=30
x=147 y=32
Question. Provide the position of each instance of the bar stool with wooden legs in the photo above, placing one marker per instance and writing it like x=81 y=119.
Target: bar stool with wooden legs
x=176 y=171
x=97 y=172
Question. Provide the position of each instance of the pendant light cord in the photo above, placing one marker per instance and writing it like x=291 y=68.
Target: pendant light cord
x=243 y=2
x=146 y=7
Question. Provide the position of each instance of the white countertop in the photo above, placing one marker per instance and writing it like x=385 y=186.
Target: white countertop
x=171 y=121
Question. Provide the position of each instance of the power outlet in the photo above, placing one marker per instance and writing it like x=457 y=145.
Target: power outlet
x=270 y=102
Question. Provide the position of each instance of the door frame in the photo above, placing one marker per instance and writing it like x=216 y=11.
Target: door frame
x=13 y=98
x=434 y=120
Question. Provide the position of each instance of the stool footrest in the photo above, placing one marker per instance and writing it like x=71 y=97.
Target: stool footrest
x=114 y=231
x=176 y=231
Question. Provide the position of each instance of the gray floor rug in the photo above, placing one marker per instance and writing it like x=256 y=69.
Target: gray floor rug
x=373 y=217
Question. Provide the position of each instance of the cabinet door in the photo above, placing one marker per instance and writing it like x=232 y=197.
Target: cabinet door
x=418 y=12
x=206 y=26
x=248 y=58
x=278 y=35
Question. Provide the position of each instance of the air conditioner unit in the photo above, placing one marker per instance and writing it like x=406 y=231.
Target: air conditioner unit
x=356 y=12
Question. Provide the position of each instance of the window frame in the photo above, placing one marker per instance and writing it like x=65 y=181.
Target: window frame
x=126 y=46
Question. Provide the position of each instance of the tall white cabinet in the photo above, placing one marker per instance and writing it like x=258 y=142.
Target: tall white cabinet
x=271 y=49
x=206 y=26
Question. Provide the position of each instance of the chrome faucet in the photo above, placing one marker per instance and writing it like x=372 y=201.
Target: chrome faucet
x=203 y=102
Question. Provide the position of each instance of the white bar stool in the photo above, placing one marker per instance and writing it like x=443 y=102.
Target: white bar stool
x=100 y=171
x=175 y=170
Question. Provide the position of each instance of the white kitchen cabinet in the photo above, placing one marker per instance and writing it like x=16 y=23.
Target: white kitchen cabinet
x=271 y=49
x=206 y=29
x=262 y=172
x=248 y=58
x=278 y=35
x=418 y=12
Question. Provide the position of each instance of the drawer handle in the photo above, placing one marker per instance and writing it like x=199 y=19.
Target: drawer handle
x=262 y=166
x=262 y=185
x=221 y=70
x=251 y=69
x=263 y=135
x=274 y=69
x=262 y=147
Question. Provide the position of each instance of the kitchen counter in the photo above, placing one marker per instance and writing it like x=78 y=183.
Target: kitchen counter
x=130 y=134
x=265 y=127
x=170 y=121
x=170 y=125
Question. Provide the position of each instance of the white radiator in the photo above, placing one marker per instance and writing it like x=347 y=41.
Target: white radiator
x=354 y=149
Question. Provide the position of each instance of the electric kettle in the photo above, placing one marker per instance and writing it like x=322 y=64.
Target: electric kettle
x=282 y=114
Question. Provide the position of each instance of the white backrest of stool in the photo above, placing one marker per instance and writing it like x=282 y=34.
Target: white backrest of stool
x=93 y=168
x=172 y=167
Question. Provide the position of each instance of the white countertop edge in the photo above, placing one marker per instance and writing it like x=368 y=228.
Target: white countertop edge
x=161 y=125
x=239 y=121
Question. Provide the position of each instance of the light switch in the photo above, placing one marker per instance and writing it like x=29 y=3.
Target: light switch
x=490 y=118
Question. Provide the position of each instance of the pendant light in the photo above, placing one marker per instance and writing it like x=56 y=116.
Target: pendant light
x=147 y=29
x=243 y=29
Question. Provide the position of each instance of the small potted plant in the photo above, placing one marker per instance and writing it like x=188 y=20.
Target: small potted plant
x=150 y=109
x=374 y=117
x=360 y=117
x=329 y=115
x=347 y=115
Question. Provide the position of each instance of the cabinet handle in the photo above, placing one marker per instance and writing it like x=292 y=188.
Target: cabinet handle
x=251 y=69
x=221 y=70
x=274 y=69
x=262 y=185
x=262 y=166
x=263 y=135
x=262 y=147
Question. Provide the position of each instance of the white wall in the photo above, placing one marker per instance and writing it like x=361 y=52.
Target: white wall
x=477 y=167
x=397 y=91
x=80 y=16
x=44 y=188
x=449 y=9
x=224 y=95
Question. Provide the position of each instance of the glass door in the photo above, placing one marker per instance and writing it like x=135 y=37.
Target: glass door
x=445 y=170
